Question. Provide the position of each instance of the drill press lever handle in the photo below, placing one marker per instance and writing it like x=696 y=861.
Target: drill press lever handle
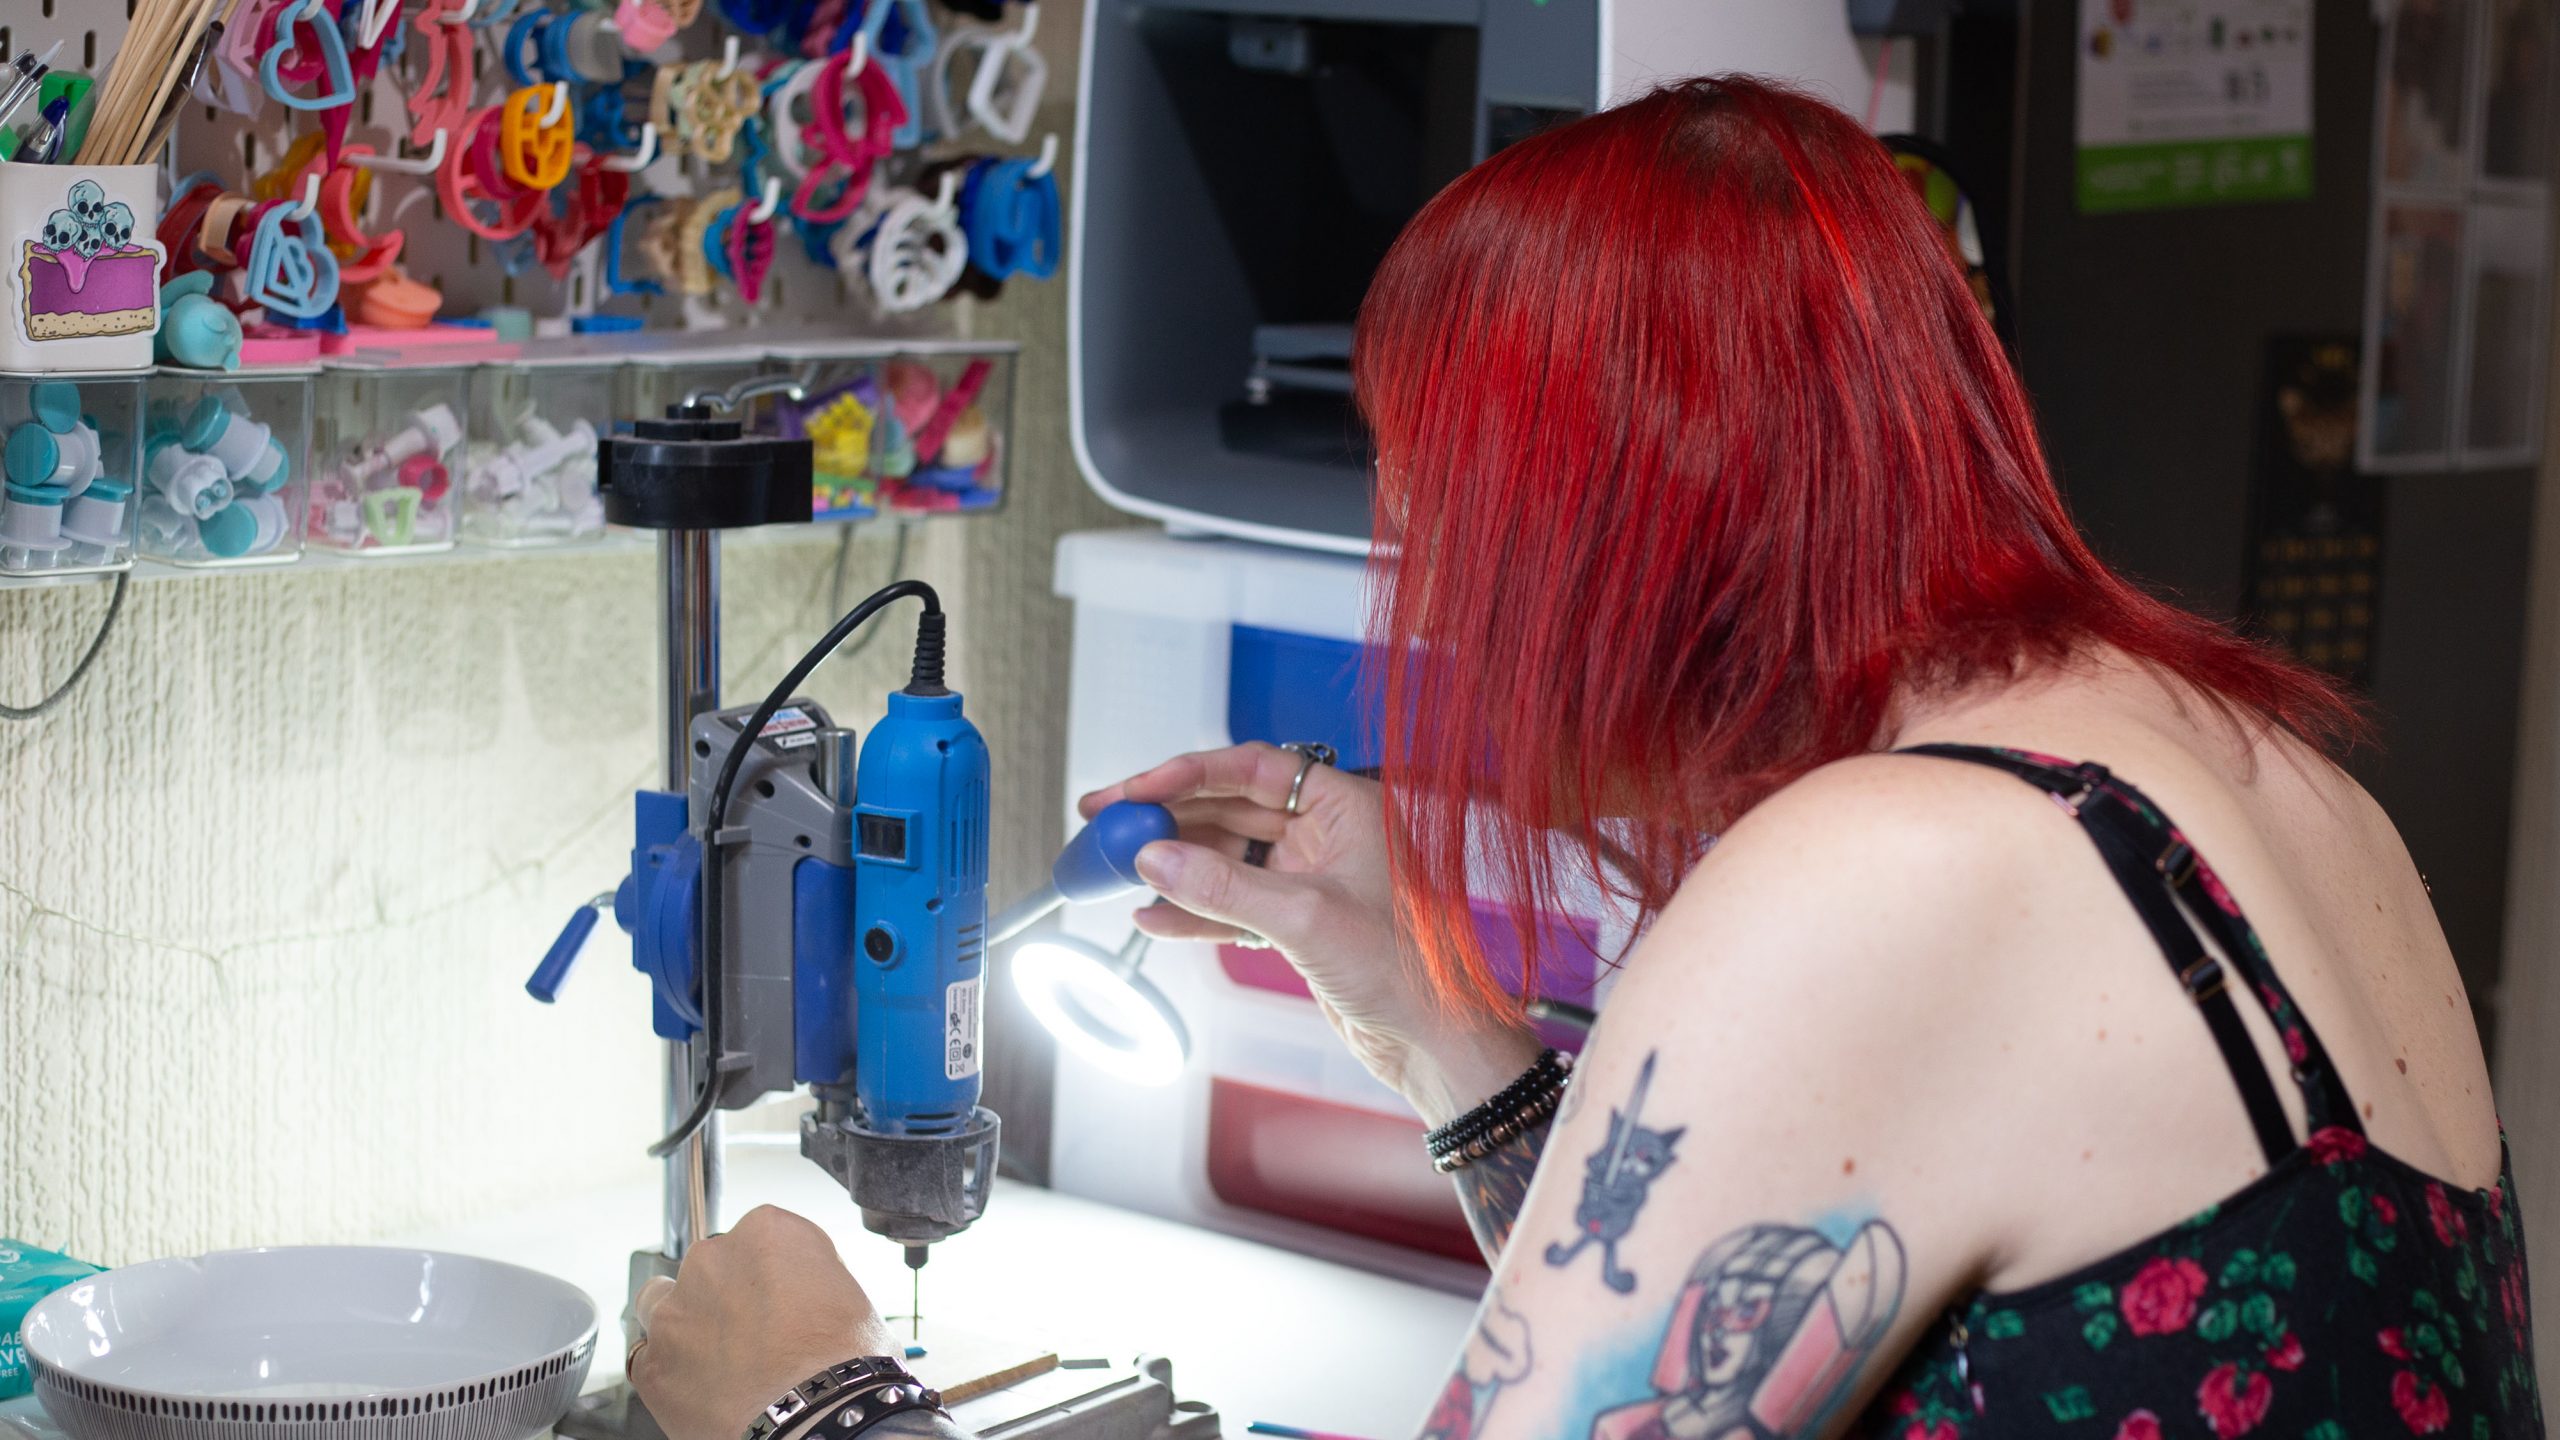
x=545 y=984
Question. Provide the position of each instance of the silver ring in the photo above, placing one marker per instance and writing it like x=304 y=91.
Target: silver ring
x=1310 y=753
x=1247 y=940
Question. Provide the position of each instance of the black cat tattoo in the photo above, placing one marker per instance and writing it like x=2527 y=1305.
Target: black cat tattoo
x=1616 y=1180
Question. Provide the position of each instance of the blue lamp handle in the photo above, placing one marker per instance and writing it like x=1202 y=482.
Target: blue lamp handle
x=1102 y=860
x=545 y=984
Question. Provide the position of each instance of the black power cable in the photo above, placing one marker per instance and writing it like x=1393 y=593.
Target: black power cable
x=88 y=657
x=925 y=679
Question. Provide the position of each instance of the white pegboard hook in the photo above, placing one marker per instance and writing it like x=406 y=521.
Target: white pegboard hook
x=310 y=200
x=1048 y=160
x=404 y=164
x=463 y=15
x=728 y=57
x=559 y=104
x=1030 y=23
x=772 y=199
x=858 y=55
x=638 y=159
x=373 y=19
x=943 y=201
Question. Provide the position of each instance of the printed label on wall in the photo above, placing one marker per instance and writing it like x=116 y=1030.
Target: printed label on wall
x=2193 y=102
x=960 y=1030
x=84 y=271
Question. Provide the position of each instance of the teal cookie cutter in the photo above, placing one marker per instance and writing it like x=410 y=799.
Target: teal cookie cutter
x=294 y=274
x=324 y=39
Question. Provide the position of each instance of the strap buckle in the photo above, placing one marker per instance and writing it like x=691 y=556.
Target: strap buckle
x=2092 y=775
x=2203 y=978
x=2177 y=864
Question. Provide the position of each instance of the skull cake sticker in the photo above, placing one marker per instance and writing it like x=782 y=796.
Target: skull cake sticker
x=83 y=274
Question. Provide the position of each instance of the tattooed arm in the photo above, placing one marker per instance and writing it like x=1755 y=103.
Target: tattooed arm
x=1751 y=1216
x=1493 y=1189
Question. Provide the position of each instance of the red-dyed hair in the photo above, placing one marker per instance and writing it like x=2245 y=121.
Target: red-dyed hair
x=1694 y=448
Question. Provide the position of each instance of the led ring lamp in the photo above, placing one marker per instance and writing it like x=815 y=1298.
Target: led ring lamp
x=1096 y=1003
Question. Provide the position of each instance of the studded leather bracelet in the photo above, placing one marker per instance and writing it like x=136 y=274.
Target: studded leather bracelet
x=843 y=1401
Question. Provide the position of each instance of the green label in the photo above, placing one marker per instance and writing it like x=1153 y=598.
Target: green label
x=2194 y=172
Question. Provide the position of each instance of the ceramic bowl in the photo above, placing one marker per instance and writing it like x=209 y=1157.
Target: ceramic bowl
x=313 y=1343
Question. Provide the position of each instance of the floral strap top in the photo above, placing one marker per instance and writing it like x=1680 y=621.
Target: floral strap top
x=2342 y=1295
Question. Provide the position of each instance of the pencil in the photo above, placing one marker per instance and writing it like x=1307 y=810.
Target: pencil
x=1292 y=1432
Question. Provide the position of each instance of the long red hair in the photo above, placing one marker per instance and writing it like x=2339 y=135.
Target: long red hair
x=1693 y=449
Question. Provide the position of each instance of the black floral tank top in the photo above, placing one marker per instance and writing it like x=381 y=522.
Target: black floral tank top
x=2342 y=1295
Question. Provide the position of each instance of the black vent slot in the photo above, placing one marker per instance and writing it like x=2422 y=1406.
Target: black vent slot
x=884 y=837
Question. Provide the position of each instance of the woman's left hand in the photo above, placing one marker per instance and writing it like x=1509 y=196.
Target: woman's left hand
x=749 y=1315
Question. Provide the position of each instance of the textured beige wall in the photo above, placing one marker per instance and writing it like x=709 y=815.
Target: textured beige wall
x=271 y=880
x=1016 y=633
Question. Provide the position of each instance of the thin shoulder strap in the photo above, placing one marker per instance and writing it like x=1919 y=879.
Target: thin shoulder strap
x=2156 y=868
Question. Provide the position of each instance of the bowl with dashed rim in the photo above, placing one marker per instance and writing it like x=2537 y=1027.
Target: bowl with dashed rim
x=312 y=1343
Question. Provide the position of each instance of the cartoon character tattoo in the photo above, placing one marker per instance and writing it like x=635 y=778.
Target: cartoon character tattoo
x=1497 y=1355
x=1767 y=1336
x=1619 y=1175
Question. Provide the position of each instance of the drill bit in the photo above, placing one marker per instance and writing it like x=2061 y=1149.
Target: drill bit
x=916 y=1256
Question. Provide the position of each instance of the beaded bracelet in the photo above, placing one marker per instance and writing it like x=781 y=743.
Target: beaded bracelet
x=1525 y=1102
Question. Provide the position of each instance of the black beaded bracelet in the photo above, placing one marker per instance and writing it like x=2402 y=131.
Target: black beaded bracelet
x=1546 y=1072
x=1511 y=1113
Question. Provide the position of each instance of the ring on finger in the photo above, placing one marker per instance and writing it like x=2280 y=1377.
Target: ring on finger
x=633 y=1354
x=1247 y=940
x=1310 y=753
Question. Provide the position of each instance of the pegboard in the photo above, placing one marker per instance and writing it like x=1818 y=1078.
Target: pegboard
x=462 y=265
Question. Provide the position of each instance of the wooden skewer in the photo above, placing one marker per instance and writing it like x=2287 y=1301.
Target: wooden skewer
x=106 y=103
x=155 y=51
x=199 y=17
x=141 y=39
x=152 y=85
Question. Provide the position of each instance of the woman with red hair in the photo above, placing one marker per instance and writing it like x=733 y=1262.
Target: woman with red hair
x=1710 y=507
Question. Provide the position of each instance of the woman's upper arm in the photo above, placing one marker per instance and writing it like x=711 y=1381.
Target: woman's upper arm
x=1758 y=1196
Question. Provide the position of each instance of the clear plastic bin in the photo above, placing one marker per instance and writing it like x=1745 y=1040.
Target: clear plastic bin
x=943 y=432
x=387 y=438
x=67 y=453
x=226 y=459
x=842 y=399
x=529 y=471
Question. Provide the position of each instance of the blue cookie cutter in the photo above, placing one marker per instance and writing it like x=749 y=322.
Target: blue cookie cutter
x=333 y=60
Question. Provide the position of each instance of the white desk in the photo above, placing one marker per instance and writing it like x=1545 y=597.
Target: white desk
x=1260 y=1333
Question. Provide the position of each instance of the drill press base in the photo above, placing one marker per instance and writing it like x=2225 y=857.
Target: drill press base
x=1078 y=1400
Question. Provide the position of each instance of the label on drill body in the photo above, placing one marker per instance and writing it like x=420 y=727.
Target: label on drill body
x=960 y=1022
x=791 y=728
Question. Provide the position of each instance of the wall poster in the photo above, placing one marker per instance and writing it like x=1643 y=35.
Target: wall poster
x=2193 y=102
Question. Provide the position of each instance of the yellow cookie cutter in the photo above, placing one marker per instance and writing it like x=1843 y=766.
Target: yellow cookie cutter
x=535 y=136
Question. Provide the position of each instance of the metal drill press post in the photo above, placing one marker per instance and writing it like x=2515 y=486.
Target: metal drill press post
x=689 y=685
x=686 y=478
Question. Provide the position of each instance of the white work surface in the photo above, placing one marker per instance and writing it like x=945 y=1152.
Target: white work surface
x=1260 y=1333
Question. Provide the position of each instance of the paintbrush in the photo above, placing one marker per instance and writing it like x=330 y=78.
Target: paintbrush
x=170 y=110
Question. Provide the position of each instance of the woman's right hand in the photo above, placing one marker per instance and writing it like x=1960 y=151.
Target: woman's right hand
x=1325 y=898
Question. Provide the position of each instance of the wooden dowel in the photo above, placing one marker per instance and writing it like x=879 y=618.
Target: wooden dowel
x=199 y=16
